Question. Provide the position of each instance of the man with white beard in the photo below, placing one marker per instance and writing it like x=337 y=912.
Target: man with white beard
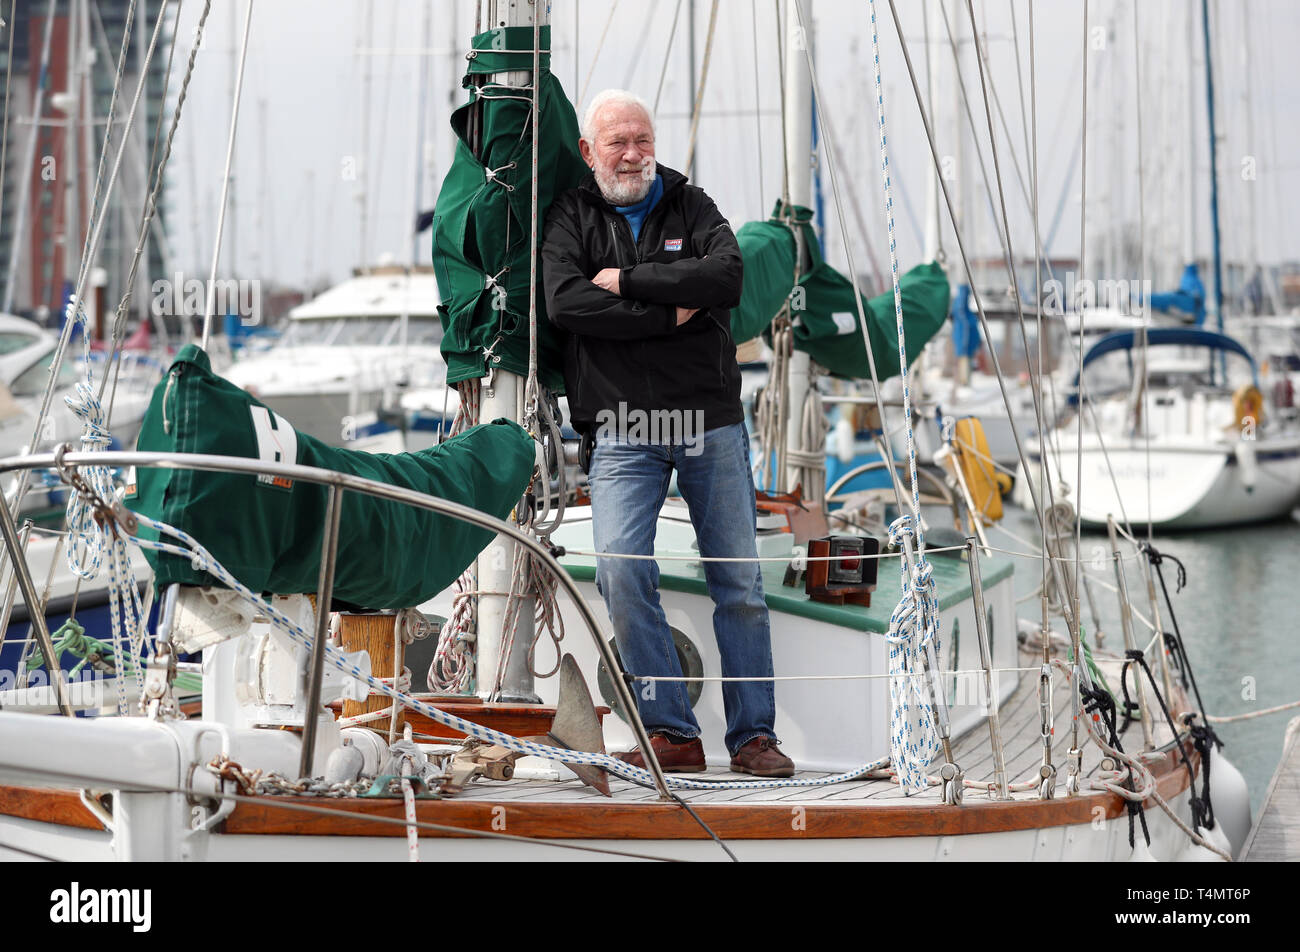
x=642 y=270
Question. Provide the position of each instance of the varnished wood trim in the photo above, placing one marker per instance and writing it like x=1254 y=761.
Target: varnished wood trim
x=607 y=820
x=60 y=807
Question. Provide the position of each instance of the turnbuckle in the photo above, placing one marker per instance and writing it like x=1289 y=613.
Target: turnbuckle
x=1047 y=771
x=1074 y=770
x=954 y=783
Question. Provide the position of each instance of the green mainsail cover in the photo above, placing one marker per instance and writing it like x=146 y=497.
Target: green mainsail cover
x=481 y=224
x=826 y=327
x=268 y=532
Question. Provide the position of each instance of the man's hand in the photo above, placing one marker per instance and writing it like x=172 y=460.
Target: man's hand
x=610 y=279
x=684 y=314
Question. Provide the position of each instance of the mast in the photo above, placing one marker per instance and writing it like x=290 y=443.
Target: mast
x=1254 y=273
x=1214 y=169
x=363 y=172
x=799 y=156
x=503 y=396
x=421 y=150
x=69 y=101
x=1189 y=154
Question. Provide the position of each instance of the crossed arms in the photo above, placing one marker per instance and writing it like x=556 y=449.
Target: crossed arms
x=641 y=300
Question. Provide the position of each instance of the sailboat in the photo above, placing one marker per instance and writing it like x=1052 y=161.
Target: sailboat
x=929 y=736
x=1198 y=449
x=1181 y=432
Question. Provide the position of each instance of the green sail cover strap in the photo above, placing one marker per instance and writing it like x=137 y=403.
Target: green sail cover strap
x=268 y=532
x=481 y=253
x=827 y=316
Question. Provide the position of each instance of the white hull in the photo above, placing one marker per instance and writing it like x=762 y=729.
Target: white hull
x=1191 y=486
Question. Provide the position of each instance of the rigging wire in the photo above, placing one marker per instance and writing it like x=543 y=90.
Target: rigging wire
x=672 y=33
x=1035 y=379
x=582 y=97
x=1142 y=252
x=147 y=214
x=1083 y=224
x=146 y=217
x=699 y=92
x=975 y=295
x=226 y=178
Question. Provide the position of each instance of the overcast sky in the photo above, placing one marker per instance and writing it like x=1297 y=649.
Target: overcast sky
x=312 y=66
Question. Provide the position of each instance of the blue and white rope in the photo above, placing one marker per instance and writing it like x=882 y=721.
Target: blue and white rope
x=915 y=622
x=90 y=544
x=203 y=560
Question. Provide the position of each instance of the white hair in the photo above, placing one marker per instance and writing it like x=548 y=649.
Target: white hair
x=612 y=97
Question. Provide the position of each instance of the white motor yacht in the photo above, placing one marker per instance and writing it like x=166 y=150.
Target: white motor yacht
x=351 y=351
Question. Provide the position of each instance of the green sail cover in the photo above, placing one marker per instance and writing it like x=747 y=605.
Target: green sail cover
x=268 y=533
x=481 y=224
x=767 y=250
x=828 y=331
x=827 y=323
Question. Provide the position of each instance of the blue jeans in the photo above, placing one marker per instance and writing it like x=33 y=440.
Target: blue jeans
x=629 y=482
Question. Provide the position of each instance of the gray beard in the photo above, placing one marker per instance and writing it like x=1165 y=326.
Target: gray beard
x=622 y=193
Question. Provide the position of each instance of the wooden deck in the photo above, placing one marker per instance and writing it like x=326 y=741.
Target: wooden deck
x=1275 y=838
x=865 y=808
x=860 y=808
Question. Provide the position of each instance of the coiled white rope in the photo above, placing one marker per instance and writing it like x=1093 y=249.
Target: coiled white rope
x=913 y=625
x=809 y=460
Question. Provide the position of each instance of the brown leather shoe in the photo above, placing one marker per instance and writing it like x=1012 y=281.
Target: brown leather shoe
x=761 y=758
x=673 y=758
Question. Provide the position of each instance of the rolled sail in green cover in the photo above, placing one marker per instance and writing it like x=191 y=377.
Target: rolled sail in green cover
x=481 y=225
x=267 y=531
x=826 y=315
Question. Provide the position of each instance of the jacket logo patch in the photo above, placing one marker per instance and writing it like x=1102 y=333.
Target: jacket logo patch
x=673 y=244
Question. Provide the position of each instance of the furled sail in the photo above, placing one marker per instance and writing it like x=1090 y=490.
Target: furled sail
x=481 y=252
x=826 y=324
x=1188 y=302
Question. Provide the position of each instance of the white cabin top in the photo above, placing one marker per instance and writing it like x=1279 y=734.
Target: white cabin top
x=384 y=292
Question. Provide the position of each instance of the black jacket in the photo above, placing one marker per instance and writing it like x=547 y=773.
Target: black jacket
x=629 y=348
